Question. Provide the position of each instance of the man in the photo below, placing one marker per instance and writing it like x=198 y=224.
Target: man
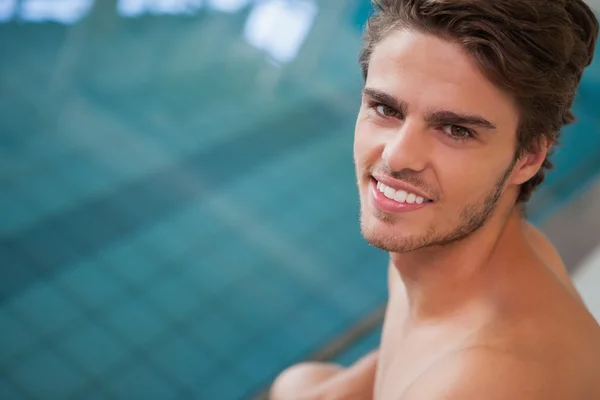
x=463 y=100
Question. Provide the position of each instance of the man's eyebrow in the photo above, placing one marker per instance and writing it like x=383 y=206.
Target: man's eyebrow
x=386 y=99
x=437 y=117
x=452 y=118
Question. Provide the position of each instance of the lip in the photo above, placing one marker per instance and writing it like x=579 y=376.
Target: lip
x=384 y=204
x=400 y=186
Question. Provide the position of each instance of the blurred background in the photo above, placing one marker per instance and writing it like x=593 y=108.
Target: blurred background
x=178 y=212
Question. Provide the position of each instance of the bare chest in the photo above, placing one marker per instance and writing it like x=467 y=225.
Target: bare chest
x=404 y=357
x=406 y=354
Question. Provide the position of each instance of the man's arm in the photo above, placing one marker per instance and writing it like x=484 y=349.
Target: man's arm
x=354 y=383
x=483 y=373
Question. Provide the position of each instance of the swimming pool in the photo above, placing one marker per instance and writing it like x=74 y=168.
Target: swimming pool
x=178 y=207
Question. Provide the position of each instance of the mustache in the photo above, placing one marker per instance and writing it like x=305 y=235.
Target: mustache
x=407 y=176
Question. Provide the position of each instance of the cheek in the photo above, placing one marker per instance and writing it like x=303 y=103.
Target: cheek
x=360 y=142
x=365 y=142
x=465 y=176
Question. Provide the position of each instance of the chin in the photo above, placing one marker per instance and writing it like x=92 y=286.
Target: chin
x=384 y=232
x=393 y=243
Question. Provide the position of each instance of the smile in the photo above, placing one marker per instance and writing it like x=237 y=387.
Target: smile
x=390 y=200
x=400 y=196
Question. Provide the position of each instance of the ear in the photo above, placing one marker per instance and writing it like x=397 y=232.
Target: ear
x=530 y=163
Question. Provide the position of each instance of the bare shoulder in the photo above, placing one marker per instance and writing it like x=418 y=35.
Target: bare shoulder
x=541 y=243
x=549 y=256
x=551 y=307
x=487 y=373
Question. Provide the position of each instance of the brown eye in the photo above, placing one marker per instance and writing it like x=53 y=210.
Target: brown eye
x=457 y=132
x=386 y=111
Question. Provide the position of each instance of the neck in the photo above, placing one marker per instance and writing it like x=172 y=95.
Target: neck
x=445 y=280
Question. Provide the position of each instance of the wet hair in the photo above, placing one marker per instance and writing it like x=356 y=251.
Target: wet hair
x=534 y=50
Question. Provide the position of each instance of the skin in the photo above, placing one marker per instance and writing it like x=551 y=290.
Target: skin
x=480 y=305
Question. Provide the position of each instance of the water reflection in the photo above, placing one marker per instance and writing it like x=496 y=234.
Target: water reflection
x=277 y=27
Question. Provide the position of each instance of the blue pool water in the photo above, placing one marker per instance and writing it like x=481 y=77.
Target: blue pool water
x=178 y=216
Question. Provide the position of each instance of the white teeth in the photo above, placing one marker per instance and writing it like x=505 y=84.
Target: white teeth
x=400 y=196
x=389 y=192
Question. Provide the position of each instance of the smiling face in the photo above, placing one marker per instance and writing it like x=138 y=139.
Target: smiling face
x=433 y=125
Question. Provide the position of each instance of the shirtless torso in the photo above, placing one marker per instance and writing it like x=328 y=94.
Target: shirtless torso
x=537 y=322
x=543 y=323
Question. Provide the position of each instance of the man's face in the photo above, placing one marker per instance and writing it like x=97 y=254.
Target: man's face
x=433 y=125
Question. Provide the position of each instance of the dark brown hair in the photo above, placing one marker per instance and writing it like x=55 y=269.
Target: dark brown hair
x=535 y=50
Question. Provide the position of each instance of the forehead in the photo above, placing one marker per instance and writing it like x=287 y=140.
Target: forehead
x=430 y=73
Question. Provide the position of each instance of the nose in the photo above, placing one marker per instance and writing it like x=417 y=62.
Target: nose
x=408 y=148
